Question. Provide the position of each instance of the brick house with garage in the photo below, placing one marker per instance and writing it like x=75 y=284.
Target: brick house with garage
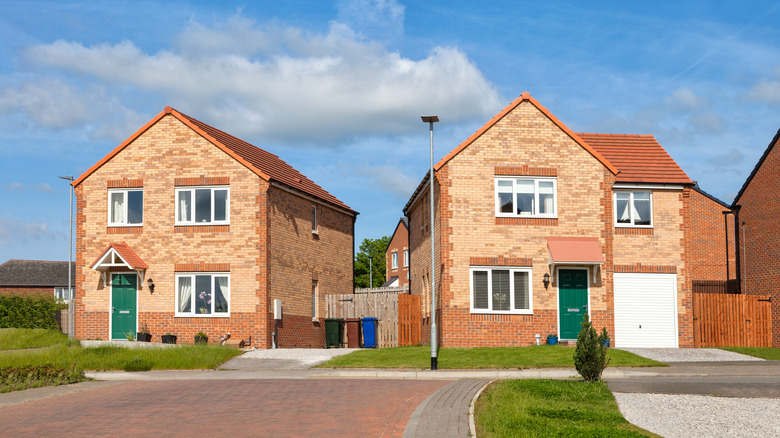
x=397 y=256
x=184 y=228
x=536 y=225
x=758 y=207
x=35 y=277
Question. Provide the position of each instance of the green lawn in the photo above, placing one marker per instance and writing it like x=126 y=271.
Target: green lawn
x=478 y=358
x=543 y=408
x=14 y=338
x=767 y=353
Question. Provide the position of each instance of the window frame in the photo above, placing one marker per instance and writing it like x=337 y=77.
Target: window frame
x=512 y=310
x=631 y=211
x=314 y=221
x=406 y=258
x=394 y=260
x=193 y=313
x=126 y=205
x=192 y=190
x=58 y=291
x=536 y=180
x=315 y=301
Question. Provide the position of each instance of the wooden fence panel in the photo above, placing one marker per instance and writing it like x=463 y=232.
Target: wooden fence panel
x=725 y=320
x=382 y=306
x=409 y=320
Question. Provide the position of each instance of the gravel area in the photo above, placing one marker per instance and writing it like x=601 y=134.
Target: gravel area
x=690 y=354
x=701 y=416
x=297 y=357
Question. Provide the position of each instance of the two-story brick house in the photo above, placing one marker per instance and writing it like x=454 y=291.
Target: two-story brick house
x=397 y=256
x=184 y=228
x=536 y=225
x=758 y=207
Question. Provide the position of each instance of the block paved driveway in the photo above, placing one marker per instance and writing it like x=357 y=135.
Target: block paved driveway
x=235 y=408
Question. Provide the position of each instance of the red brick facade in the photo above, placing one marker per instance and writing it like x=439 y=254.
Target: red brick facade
x=268 y=248
x=759 y=231
x=528 y=141
x=399 y=244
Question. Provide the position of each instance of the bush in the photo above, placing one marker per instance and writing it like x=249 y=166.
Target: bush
x=28 y=311
x=590 y=355
x=14 y=379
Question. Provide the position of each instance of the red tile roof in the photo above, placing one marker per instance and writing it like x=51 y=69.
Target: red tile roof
x=585 y=250
x=127 y=254
x=639 y=158
x=265 y=164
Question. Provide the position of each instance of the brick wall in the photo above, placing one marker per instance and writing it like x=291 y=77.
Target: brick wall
x=298 y=257
x=760 y=236
x=399 y=243
x=706 y=243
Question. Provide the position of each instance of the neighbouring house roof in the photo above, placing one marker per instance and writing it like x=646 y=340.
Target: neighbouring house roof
x=405 y=221
x=126 y=254
x=392 y=282
x=523 y=98
x=570 y=250
x=639 y=158
x=35 y=273
x=769 y=148
x=263 y=163
x=698 y=189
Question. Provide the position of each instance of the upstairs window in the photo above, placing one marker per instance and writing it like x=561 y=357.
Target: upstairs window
x=406 y=258
x=501 y=290
x=395 y=260
x=314 y=224
x=633 y=209
x=125 y=207
x=203 y=206
x=314 y=301
x=526 y=197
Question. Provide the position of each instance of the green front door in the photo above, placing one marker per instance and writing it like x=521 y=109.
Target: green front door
x=572 y=300
x=123 y=304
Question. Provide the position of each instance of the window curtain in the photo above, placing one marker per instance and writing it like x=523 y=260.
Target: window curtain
x=117 y=208
x=221 y=304
x=185 y=294
x=184 y=207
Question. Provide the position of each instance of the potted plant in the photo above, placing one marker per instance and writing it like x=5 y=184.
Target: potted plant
x=144 y=335
x=130 y=335
x=168 y=338
x=201 y=338
x=552 y=339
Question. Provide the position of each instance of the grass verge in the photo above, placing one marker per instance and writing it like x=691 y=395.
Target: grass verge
x=15 y=338
x=767 y=353
x=542 y=408
x=16 y=379
x=545 y=356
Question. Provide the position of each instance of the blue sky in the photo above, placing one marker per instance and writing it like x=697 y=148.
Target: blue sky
x=336 y=88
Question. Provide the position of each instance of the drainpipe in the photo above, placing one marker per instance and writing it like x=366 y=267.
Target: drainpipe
x=738 y=253
x=726 y=229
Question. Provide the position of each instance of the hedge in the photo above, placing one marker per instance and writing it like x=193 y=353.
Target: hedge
x=28 y=312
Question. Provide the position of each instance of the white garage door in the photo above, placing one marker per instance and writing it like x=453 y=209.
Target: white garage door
x=646 y=310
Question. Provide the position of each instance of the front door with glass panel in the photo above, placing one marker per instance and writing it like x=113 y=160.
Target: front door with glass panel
x=123 y=305
x=572 y=300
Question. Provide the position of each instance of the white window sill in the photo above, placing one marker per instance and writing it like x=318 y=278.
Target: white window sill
x=199 y=224
x=501 y=312
x=632 y=226
x=203 y=315
x=315 y=320
x=315 y=232
x=124 y=225
x=525 y=216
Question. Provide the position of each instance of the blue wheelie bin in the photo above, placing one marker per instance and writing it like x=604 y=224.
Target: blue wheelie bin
x=369 y=332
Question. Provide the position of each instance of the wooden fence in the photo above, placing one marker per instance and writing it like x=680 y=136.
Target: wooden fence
x=409 y=320
x=715 y=287
x=726 y=320
x=383 y=306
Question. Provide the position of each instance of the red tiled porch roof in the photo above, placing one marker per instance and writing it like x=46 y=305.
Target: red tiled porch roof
x=127 y=254
x=584 y=250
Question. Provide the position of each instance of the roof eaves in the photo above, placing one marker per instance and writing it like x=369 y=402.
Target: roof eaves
x=698 y=189
x=774 y=141
x=416 y=193
x=523 y=97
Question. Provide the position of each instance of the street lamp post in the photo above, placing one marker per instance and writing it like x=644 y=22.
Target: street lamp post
x=71 y=304
x=430 y=120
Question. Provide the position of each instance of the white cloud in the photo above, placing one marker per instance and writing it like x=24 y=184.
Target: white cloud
x=13 y=231
x=49 y=102
x=766 y=90
x=387 y=177
x=377 y=18
x=19 y=187
x=278 y=83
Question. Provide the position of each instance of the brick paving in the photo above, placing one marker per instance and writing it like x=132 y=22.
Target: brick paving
x=199 y=408
x=445 y=413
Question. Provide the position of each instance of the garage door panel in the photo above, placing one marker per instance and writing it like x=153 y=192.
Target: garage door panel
x=646 y=310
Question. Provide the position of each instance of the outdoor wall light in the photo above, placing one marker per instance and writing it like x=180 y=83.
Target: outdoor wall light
x=151 y=285
x=546 y=280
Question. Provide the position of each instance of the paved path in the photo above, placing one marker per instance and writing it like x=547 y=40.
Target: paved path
x=445 y=413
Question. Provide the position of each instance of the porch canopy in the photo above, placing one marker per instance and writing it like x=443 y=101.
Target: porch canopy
x=575 y=250
x=120 y=256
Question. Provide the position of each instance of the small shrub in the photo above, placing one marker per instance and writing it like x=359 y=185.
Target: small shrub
x=590 y=355
x=14 y=379
x=137 y=364
x=28 y=311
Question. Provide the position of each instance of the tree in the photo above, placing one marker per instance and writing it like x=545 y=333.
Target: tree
x=375 y=249
x=590 y=355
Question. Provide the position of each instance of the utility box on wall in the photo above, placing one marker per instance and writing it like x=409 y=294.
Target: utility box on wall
x=277 y=309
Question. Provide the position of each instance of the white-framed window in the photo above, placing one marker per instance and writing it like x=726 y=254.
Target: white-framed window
x=633 y=209
x=406 y=258
x=63 y=293
x=203 y=205
x=314 y=229
x=526 y=196
x=203 y=294
x=501 y=290
x=394 y=264
x=314 y=301
x=125 y=207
